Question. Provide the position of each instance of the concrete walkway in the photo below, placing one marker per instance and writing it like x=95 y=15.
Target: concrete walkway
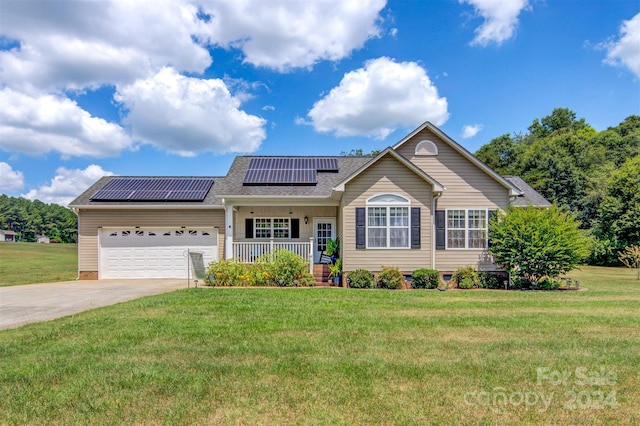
x=25 y=304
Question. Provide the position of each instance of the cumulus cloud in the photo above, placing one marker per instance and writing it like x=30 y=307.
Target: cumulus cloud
x=10 y=180
x=500 y=20
x=79 y=44
x=40 y=124
x=470 y=130
x=67 y=185
x=186 y=115
x=283 y=34
x=379 y=98
x=625 y=51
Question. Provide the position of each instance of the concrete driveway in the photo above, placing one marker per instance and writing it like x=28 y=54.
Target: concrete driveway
x=25 y=304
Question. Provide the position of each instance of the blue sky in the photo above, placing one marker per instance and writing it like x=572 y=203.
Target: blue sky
x=181 y=87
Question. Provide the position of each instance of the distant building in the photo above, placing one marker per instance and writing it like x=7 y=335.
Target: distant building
x=42 y=239
x=8 y=236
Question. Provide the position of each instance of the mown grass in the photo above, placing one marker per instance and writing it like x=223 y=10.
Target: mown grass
x=330 y=356
x=28 y=263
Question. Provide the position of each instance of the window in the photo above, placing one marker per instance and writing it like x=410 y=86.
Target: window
x=426 y=147
x=467 y=229
x=278 y=227
x=388 y=221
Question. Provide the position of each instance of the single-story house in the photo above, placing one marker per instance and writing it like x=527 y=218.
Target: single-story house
x=43 y=239
x=8 y=236
x=423 y=203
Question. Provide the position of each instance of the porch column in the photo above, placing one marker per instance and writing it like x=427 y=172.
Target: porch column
x=228 y=231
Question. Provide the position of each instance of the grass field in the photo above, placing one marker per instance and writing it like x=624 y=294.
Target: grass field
x=335 y=356
x=28 y=263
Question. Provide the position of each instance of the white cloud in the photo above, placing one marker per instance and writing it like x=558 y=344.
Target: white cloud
x=40 y=124
x=67 y=185
x=284 y=34
x=187 y=115
x=10 y=180
x=500 y=19
x=377 y=99
x=79 y=44
x=470 y=130
x=625 y=52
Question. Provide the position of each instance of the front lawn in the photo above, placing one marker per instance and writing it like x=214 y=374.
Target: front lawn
x=335 y=356
x=28 y=263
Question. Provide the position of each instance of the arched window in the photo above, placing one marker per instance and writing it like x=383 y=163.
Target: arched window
x=426 y=147
x=388 y=221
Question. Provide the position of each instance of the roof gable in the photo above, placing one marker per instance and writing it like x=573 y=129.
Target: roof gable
x=513 y=190
x=437 y=187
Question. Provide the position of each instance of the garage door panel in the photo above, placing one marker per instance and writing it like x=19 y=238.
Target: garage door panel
x=153 y=253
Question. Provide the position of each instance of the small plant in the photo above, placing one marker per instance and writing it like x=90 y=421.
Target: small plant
x=425 y=278
x=490 y=280
x=463 y=273
x=466 y=284
x=390 y=278
x=333 y=248
x=360 y=278
x=335 y=269
x=548 y=283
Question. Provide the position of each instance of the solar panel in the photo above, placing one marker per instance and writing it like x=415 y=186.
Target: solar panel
x=154 y=189
x=287 y=170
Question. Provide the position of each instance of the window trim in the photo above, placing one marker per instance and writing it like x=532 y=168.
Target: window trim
x=400 y=202
x=466 y=228
x=272 y=228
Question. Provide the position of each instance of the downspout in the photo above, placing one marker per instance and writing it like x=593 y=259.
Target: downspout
x=76 y=212
x=433 y=229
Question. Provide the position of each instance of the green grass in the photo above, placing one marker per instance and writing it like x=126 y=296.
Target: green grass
x=28 y=263
x=329 y=356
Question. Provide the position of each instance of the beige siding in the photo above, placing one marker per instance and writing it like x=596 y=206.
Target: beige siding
x=89 y=222
x=467 y=186
x=297 y=212
x=388 y=175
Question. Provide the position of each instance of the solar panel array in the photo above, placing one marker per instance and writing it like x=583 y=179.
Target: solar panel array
x=154 y=189
x=288 y=170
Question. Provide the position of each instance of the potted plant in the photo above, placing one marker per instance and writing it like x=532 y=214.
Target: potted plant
x=333 y=248
x=335 y=271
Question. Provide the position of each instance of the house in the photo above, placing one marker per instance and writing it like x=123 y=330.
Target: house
x=423 y=203
x=42 y=239
x=8 y=236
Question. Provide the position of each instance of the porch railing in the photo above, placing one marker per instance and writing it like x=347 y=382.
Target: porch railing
x=249 y=252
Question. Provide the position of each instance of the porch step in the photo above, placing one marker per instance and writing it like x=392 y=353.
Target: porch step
x=321 y=273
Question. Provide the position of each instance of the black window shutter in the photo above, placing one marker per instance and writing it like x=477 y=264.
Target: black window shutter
x=295 y=228
x=360 y=228
x=248 y=228
x=440 y=233
x=415 y=227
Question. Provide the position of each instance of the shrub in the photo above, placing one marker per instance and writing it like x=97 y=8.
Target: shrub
x=286 y=269
x=227 y=273
x=490 y=280
x=466 y=283
x=425 y=278
x=360 y=278
x=390 y=278
x=548 y=283
x=463 y=273
x=520 y=283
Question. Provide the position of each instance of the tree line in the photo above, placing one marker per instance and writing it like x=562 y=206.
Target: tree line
x=32 y=218
x=594 y=175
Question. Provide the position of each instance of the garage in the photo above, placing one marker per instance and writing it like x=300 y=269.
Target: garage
x=154 y=252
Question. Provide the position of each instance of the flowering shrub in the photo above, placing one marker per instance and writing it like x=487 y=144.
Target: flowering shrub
x=391 y=278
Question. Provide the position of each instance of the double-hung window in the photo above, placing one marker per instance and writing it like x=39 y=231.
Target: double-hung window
x=388 y=222
x=467 y=229
x=278 y=227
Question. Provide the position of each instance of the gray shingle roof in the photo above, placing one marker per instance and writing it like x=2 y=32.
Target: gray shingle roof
x=529 y=197
x=232 y=184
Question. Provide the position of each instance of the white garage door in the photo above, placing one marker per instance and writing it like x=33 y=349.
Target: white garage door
x=153 y=253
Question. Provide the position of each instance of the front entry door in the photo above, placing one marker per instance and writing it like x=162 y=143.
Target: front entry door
x=323 y=229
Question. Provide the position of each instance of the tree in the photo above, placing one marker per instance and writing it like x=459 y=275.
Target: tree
x=630 y=257
x=534 y=243
x=360 y=153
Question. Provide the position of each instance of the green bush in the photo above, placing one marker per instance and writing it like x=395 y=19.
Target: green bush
x=425 y=278
x=360 y=278
x=463 y=273
x=281 y=268
x=490 y=280
x=466 y=284
x=520 y=283
x=548 y=283
x=390 y=278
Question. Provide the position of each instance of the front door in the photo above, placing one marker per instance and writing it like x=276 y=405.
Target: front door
x=324 y=228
